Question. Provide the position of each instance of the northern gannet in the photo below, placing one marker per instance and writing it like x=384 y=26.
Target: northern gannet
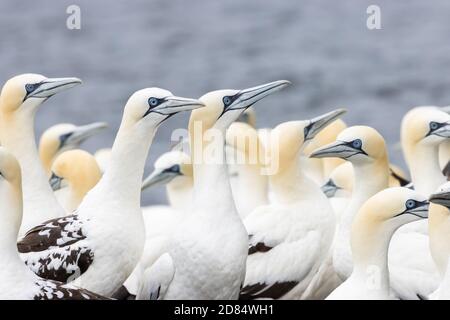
x=74 y=172
x=19 y=101
x=101 y=243
x=320 y=169
x=365 y=148
x=338 y=188
x=423 y=129
x=18 y=282
x=245 y=159
x=371 y=234
x=412 y=270
x=207 y=252
x=63 y=137
x=290 y=240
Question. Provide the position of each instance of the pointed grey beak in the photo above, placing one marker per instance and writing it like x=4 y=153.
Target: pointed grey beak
x=442 y=131
x=248 y=97
x=330 y=188
x=317 y=124
x=52 y=86
x=337 y=149
x=55 y=182
x=173 y=105
x=161 y=176
x=441 y=197
x=81 y=133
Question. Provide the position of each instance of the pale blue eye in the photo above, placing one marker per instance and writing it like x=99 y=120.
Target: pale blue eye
x=153 y=102
x=434 y=125
x=29 y=87
x=410 y=204
x=227 y=101
x=357 y=144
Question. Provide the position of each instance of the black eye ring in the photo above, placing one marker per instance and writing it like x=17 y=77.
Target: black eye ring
x=29 y=87
x=410 y=204
x=227 y=100
x=153 y=102
x=357 y=143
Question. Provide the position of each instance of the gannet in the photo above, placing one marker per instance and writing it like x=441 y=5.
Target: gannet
x=422 y=130
x=76 y=172
x=17 y=281
x=289 y=240
x=207 y=252
x=365 y=148
x=90 y=245
x=245 y=159
x=371 y=234
x=103 y=157
x=320 y=169
x=63 y=137
x=444 y=158
x=19 y=100
x=338 y=188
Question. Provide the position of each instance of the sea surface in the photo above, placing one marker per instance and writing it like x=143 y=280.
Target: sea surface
x=191 y=47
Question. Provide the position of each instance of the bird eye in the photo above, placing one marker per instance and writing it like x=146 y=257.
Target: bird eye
x=357 y=143
x=153 y=102
x=29 y=87
x=227 y=101
x=434 y=125
x=410 y=204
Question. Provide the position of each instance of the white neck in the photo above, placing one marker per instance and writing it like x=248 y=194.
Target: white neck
x=179 y=192
x=11 y=217
x=40 y=204
x=121 y=183
x=426 y=174
x=370 y=257
x=369 y=179
x=213 y=199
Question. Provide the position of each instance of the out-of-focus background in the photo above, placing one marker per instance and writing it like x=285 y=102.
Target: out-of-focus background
x=191 y=47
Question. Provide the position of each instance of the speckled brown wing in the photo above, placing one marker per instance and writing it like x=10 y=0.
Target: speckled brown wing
x=57 y=249
x=53 y=290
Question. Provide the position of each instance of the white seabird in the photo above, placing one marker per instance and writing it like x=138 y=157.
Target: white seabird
x=90 y=245
x=290 y=240
x=413 y=274
x=63 y=137
x=20 y=99
x=372 y=230
x=206 y=256
x=18 y=282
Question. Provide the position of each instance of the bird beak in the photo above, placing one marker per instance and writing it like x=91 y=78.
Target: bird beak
x=330 y=188
x=442 y=198
x=248 y=97
x=52 y=86
x=173 y=105
x=55 y=182
x=81 y=133
x=442 y=131
x=338 y=149
x=317 y=124
x=160 y=177
x=421 y=210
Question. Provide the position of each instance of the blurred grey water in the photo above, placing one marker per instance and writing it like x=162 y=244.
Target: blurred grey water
x=191 y=47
